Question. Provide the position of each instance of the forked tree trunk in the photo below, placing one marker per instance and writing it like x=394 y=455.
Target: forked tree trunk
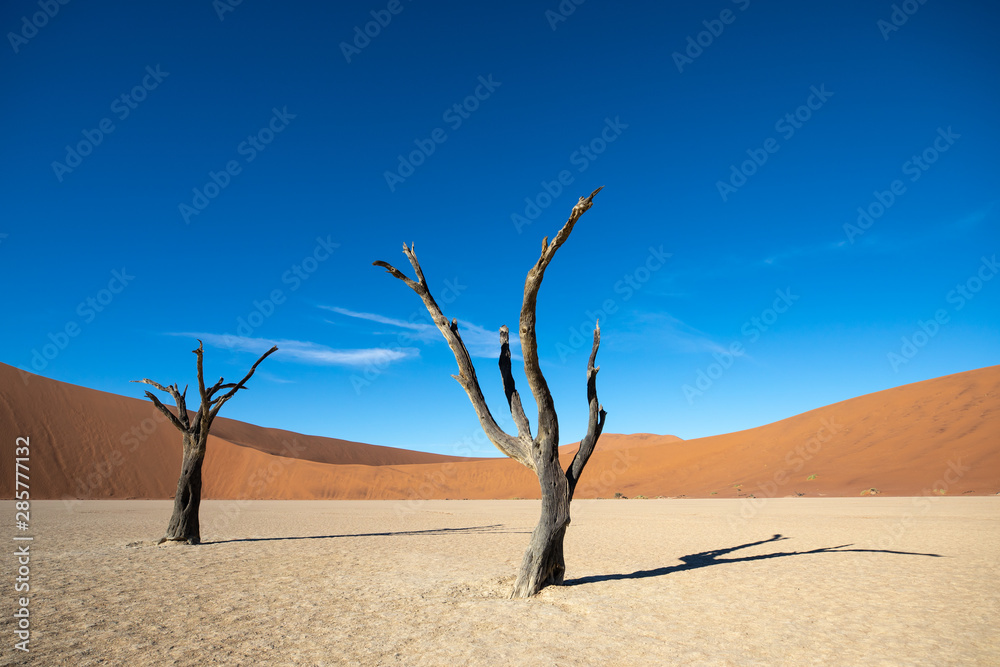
x=543 y=562
x=184 y=523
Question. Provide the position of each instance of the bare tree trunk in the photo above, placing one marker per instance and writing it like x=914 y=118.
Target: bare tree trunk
x=184 y=523
x=543 y=562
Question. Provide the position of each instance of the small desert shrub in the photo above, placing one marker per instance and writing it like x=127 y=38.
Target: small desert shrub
x=810 y=477
x=621 y=495
x=640 y=497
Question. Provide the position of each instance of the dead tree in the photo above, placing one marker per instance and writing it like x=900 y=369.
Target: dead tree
x=543 y=562
x=184 y=525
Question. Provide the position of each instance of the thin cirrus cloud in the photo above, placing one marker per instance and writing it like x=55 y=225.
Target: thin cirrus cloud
x=889 y=238
x=869 y=237
x=803 y=251
x=421 y=330
x=676 y=334
x=480 y=342
x=307 y=352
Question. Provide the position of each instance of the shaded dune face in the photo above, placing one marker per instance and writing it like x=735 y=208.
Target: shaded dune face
x=937 y=437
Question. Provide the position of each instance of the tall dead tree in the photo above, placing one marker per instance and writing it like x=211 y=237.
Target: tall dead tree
x=184 y=525
x=543 y=562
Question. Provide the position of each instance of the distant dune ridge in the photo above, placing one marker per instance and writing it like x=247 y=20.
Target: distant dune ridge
x=937 y=437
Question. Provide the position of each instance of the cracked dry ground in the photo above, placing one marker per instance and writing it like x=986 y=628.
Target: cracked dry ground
x=849 y=581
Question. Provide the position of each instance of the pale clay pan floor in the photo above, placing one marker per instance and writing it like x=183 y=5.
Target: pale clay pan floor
x=424 y=583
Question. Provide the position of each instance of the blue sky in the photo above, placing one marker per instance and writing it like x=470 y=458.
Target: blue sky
x=183 y=169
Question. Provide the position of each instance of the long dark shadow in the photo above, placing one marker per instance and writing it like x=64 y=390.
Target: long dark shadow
x=432 y=531
x=707 y=558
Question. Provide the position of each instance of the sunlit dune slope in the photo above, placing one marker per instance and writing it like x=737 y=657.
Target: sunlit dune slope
x=91 y=444
x=937 y=437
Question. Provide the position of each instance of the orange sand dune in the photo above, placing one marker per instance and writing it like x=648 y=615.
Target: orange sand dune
x=91 y=444
x=318 y=448
x=614 y=441
x=936 y=437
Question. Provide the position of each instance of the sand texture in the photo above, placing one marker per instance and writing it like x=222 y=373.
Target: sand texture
x=937 y=437
x=860 y=581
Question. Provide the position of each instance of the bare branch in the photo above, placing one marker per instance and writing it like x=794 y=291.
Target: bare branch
x=221 y=400
x=595 y=421
x=513 y=398
x=216 y=405
x=503 y=441
x=239 y=385
x=548 y=424
x=210 y=392
x=200 y=352
x=549 y=250
x=396 y=273
x=162 y=408
x=412 y=256
x=182 y=405
x=155 y=384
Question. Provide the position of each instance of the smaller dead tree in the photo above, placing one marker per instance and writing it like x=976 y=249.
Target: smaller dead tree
x=184 y=526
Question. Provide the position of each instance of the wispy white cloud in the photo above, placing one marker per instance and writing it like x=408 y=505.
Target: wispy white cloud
x=274 y=378
x=381 y=319
x=958 y=227
x=973 y=219
x=803 y=251
x=676 y=334
x=480 y=342
x=889 y=239
x=422 y=331
x=307 y=352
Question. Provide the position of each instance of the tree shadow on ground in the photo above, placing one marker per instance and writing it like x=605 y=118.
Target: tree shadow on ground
x=707 y=558
x=493 y=528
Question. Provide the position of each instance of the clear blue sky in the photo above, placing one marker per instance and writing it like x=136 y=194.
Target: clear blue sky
x=742 y=158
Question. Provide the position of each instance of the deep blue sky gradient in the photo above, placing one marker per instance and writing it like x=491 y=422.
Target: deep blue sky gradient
x=854 y=297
